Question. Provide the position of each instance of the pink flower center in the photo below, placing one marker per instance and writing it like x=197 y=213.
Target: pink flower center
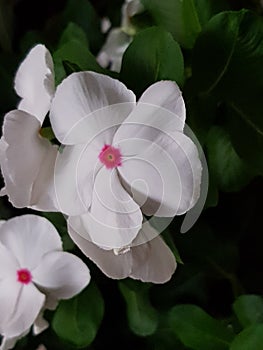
x=110 y=156
x=24 y=276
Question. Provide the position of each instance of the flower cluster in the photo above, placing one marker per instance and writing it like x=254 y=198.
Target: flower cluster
x=120 y=163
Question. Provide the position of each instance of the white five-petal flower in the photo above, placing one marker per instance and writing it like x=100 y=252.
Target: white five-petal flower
x=121 y=158
x=27 y=159
x=34 y=274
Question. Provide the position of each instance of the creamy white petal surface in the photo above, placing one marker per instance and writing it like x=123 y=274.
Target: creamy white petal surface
x=34 y=82
x=27 y=162
x=37 y=270
x=114 y=219
x=78 y=97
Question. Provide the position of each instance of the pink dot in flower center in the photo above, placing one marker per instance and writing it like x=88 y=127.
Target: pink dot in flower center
x=24 y=276
x=110 y=156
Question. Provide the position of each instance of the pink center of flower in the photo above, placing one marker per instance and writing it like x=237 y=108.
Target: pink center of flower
x=24 y=276
x=110 y=156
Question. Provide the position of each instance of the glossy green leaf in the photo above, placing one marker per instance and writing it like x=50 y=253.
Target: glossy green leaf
x=142 y=317
x=77 y=320
x=249 y=339
x=227 y=63
x=249 y=309
x=198 y=330
x=77 y=55
x=160 y=59
x=73 y=32
x=230 y=172
x=182 y=18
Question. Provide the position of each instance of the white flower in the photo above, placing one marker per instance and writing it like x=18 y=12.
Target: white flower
x=34 y=274
x=26 y=157
x=119 y=39
x=121 y=158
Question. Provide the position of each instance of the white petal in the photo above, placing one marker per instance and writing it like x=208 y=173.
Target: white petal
x=75 y=170
x=61 y=274
x=29 y=237
x=160 y=109
x=27 y=163
x=29 y=304
x=8 y=262
x=9 y=343
x=112 y=51
x=165 y=177
x=34 y=82
x=130 y=9
x=81 y=95
x=113 y=266
x=40 y=324
x=153 y=262
x=114 y=218
x=9 y=292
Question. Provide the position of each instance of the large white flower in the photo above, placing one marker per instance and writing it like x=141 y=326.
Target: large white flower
x=121 y=158
x=34 y=274
x=26 y=158
x=118 y=39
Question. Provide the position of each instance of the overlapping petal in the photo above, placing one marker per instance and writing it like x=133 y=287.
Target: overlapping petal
x=27 y=162
x=114 y=219
x=34 y=82
x=81 y=95
x=149 y=262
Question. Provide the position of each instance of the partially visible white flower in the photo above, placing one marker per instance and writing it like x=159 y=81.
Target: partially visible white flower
x=26 y=158
x=119 y=39
x=105 y=24
x=149 y=262
x=34 y=274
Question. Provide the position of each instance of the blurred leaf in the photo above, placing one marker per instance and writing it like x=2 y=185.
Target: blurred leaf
x=77 y=320
x=73 y=32
x=198 y=330
x=231 y=173
x=249 y=309
x=6 y=24
x=227 y=63
x=142 y=317
x=182 y=18
x=249 y=339
x=83 y=14
x=75 y=54
x=169 y=240
x=161 y=58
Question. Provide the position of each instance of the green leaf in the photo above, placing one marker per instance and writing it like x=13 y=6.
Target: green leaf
x=249 y=339
x=77 y=55
x=198 y=330
x=227 y=63
x=142 y=317
x=73 y=32
x=83 y=14
x=249 y=309
x=231 y=173
x=77 y=320
x=182 y=18
x=160 y=59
